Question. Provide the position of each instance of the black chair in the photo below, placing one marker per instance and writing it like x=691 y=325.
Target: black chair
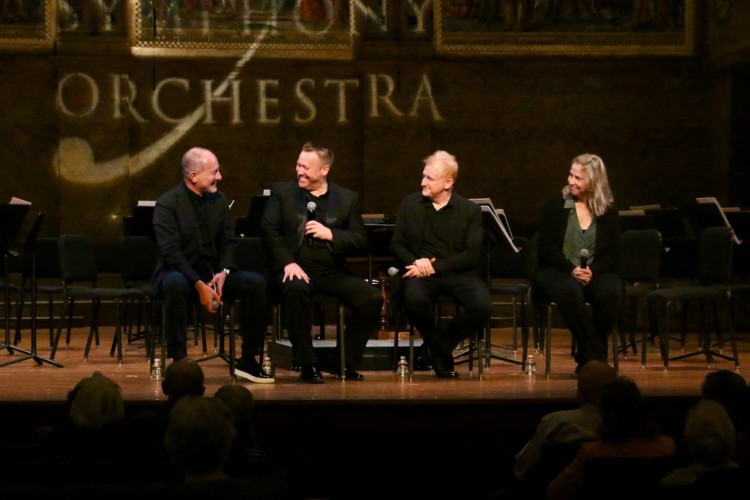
x=509 y=279
x=80 y=281
x=639 y=267
x=138 y=256
x=625 y=477
x=711 y=290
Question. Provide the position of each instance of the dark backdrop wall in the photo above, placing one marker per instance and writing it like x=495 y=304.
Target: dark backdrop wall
x=87 y=131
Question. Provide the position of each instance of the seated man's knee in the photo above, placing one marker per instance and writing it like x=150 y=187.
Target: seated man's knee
x=295 y=288
x=175 y=284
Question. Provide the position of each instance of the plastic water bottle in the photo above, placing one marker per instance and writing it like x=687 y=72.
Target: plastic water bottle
x=530 y=365
x=403 y=367
x=156 y=369
x=266 y=366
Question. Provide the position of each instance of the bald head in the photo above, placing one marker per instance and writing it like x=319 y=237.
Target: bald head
x=195 y=159
x=591 y=378
x=183 y=377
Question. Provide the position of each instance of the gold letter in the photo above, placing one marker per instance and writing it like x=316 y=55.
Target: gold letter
x=385 y=99
x=264 y=102
x=424 y=92
x=341 y=84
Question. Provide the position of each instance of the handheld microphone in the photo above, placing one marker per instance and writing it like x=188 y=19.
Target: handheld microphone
x=393 y=271
x=311 y=206
x=214 y=302
x=584 y=256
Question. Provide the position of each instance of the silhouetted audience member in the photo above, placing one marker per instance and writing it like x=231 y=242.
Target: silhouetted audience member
x=146 y=429
x=565 y=427
x=628 y=431
x=731 y=390
x=247 y=457
x=88 y=445
x=199 y=439
x=710 y=437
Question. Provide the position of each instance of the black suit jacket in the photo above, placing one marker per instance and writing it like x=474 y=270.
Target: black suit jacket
x=464 y=240
x=178 y=234
x=285 y=215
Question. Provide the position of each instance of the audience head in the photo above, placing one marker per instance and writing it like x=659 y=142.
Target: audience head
x=709 y=433
x=241 y=403
x=183 y=377
x=591 y=379
x=199 y=436
x=624 y=412
x=95 y=401
x=730 y=389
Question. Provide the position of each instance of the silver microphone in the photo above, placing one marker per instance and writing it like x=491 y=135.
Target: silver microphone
x=393 y=271
x=584 y=256
x=311 y=206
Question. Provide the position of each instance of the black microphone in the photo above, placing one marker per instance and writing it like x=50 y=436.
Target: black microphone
x=584 y=256
x=311 y=206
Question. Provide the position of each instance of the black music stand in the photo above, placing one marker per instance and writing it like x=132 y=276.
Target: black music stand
x=142 y=222
x=255 y=215
x=29 y=251
x=11 y=220
x=496 y=233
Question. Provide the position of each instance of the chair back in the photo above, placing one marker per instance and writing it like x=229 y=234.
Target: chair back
x=137 y=260
x=640 y=256
x=47 y=259
x=505 y=263
x=77 y=259
x=250 y=254
x=625 y=477
x=553 y=458
x=715 y=252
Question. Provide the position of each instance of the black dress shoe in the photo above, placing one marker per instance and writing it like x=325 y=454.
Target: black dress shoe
x=351 y=374
x=311 y=374
x=441 y=373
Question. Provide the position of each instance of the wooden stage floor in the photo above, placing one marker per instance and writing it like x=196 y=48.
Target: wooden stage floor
x=27 y=381
x=342 y=436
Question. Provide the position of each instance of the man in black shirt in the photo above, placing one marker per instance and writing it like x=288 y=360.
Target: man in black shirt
x=309 y=226
x=438 y=242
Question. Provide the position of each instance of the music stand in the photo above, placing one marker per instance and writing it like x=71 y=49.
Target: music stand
x=255 y=215
x=29 y=251
x=496 y=233
x=142 y=222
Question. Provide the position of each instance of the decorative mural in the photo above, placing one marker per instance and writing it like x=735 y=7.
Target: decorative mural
x=565 y=27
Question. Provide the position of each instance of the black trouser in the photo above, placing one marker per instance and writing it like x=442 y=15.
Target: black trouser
x=604 y=293
x=363 y=300
x=178 y=295
x=468 y=291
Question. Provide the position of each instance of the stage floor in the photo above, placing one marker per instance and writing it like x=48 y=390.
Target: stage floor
x=28 y=381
